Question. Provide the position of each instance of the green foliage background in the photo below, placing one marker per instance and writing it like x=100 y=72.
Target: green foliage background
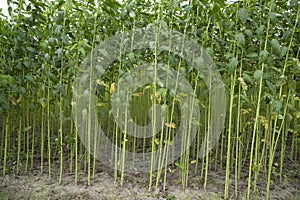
x=252 y=42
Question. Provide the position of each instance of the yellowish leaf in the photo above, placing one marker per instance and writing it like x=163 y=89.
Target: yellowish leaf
x=137 y=94
x=170 y=124
x=193 y=162
x=100 y=82
x=112 y=88
x=100 y=104
x=158 y=98
x=176 y=181
x=243 y=83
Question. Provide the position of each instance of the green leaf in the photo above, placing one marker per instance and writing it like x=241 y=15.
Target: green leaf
x=12 y=53
x=68 y=5
x=292 y=85
x=132 y=14
x=294 y=2
x=180 y=166
x=46 y=57
x=272 y=16
x=240 y=38
x=248 y=32
x=187 y=8
x=27 y=128
x=172 y=60
x=276 y=46
x=65 y=39
x=82 y=51
x=27 y=64
x=32 y=50
x=252 y=55
x=277 y=105
x=123 y=14
x=163 y=24
x=260 y=30
x=58 y=29
x=257 y=74
x=6 y=80
x=243 y=14
x=30 y=78
x=52 y=42
x=233 y=64
x=263 y=55
x=131 y=56
x=283 y=51
x=270 y=86
x=247 y=77
x=104 y=52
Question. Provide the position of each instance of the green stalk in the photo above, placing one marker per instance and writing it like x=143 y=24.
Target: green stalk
x=296 y=130
x=153 y=102
x=76 y=150
x=95 y=146
x=283 y=148
x=167 y=132
x=198 y=144
x=33 y=137
x=153 y=148
x=89 y=128
x=48 y=126
x=71 y=148
x=28 y=121
x=124 y=144
x=61 y=101
x=116 y=133
x=89 y=125
x=207 y=131
x=162 y=155
x=60 y=130
x=257 y=111
x=116 y=161
x=233 y=78
x=2 y=140
x=273 y=146
x=42 y=138
x=190 y=121
x=76 y=133
x=204 y=143
x=208 y=120
x=6 y=143
x=19 y=142
x=237 y=139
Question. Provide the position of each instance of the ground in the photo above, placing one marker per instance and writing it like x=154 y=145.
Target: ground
x=36 y=185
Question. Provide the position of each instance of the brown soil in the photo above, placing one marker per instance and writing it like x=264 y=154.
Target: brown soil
x=36 y=185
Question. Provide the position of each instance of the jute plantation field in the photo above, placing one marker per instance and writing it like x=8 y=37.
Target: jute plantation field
x=150 y=99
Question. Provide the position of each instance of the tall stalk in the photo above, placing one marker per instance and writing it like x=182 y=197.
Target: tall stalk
x=153 y=114
x=274 y=142
x=42 y=136
x=90 y=106
x=19 y=142
x=6 y=137
x=232 y=87
x=255 y=126
x=61 y=113
x=242 y=86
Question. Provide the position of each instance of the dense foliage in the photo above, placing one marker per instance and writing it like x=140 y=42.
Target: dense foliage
x=255 y=45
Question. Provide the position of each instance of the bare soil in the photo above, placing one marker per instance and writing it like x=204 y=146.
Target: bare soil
x=37 y=185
